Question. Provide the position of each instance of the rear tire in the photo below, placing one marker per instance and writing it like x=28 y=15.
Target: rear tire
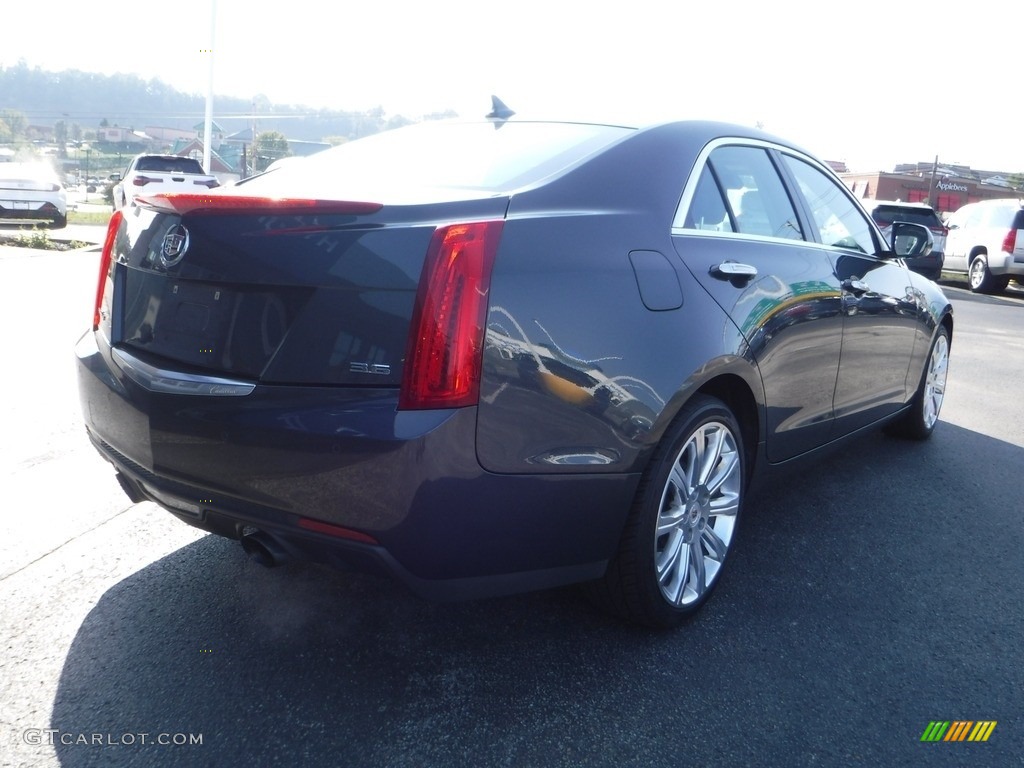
x=683 y=520
x=981 y=280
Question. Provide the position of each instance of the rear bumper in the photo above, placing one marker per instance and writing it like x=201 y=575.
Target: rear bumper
x=1006 y=264
x=409 y=481
x=34 y=210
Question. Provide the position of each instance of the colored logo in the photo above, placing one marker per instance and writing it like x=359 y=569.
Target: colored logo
x=958 y=730
x=174 y=246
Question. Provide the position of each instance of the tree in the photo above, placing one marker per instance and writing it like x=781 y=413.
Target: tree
x=15 y=121
x=268 y=147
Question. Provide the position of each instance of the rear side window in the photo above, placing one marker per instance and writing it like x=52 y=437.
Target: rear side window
x=998 y=216
x=739 y=190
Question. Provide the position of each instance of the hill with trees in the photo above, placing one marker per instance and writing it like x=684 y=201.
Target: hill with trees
x=82 y=101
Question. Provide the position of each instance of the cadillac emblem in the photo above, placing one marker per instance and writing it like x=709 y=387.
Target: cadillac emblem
x=174 y=246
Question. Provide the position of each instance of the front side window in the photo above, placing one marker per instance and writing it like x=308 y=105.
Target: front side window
x=840 y=224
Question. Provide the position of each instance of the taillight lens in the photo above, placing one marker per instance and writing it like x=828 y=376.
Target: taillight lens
x=141 y=181
x=1010 y=241
x=211 y=183
x=444 y=357
x=105 y=259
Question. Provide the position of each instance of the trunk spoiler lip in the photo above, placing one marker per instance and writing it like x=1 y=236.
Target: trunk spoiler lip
x=225 y=205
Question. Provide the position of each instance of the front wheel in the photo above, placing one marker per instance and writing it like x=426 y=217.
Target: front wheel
x=919 y=421
x=683 y=521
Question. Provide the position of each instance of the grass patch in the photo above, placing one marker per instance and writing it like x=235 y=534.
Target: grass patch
x=89 y=217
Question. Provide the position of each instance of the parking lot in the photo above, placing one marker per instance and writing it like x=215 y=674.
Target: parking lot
x=867 y=598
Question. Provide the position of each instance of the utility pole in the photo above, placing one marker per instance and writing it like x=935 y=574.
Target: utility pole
x=208 y=125
x=931 y=184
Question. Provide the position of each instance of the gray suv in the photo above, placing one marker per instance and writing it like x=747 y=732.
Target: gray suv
x=986 y=243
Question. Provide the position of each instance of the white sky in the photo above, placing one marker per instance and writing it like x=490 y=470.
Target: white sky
x=869 y=82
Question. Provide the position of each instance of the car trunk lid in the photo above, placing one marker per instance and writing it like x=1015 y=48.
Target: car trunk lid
x=300 y=292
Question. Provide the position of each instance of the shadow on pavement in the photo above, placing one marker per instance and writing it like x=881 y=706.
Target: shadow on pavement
x=877 y=593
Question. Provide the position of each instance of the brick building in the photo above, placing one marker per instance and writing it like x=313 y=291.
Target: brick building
x=949 y=188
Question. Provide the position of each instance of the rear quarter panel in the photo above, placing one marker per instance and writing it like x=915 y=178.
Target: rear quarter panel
x=579 y=374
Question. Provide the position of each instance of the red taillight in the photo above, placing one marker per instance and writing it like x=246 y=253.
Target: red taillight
x=442 y=362
x=220 y=204
x=105 y=259
x=211 y=183
x=141 y=181
x=1010 y=241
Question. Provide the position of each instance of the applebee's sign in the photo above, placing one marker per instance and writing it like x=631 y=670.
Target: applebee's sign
x=948 y=186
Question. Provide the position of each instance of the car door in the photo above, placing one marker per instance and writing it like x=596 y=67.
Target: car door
x=879 y=303
x=738 y=231
x=957 y=245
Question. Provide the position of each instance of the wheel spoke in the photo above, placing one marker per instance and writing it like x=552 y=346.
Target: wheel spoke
x=672 y=567
x=711 y=452
x=714 y=544
x=698 y=581
x=730 y=461
x=725 y=504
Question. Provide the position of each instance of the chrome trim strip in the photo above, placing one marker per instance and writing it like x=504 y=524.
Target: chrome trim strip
x=177 y=383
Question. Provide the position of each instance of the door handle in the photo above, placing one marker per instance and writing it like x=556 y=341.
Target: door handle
x=731 y=270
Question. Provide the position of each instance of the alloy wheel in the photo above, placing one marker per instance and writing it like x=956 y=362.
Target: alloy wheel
x=698 y=514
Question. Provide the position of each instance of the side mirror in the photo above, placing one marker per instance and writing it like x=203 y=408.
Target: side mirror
x=115 y=177
x=911 y=240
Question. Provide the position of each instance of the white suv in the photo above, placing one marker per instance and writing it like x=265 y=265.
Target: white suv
x=160 y=174
x=986 y=243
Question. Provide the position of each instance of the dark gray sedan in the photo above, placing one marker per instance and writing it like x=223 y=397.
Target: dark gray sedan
x=500 y=355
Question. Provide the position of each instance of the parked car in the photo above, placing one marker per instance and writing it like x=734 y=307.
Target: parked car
x=885 y=212
x=493 y=356
x=32 y=192
x=159 y=174
x=986 y=243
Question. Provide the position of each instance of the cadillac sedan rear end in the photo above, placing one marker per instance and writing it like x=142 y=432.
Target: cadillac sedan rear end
x=296 y=362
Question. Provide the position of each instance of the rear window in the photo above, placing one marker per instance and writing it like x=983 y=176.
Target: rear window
x=885 y=215
x=483 y=157
x=169 y=165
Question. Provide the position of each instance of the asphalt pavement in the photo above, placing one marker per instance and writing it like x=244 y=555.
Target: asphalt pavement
x=868 y=597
